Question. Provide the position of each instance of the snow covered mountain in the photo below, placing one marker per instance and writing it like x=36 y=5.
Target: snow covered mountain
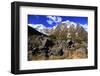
x=41 y=28
x=68 y=24
x=63 y=26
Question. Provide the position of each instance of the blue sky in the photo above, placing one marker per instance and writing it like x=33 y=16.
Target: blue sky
x=50 y=21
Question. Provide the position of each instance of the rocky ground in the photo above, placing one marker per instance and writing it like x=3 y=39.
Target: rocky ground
x=44 y=48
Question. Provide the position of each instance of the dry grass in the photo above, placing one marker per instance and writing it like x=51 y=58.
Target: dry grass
x=67 y=55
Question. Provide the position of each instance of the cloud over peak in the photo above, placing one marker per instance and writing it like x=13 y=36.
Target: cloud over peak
x=54 y=19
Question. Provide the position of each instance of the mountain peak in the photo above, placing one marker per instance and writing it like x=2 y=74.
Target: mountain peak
x=69 y=23
x=64 y=25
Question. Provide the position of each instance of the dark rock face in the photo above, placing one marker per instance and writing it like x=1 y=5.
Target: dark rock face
x=35 y=51
x=45 y=51
x=70 y=44
x=47 y=43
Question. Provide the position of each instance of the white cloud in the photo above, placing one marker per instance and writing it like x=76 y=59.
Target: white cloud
x=55 y=19
x=50 y=22
x=58 y=19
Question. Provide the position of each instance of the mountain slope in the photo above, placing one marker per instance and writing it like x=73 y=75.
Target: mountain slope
x=71 y=30
x=32 y=31
x=41 y=28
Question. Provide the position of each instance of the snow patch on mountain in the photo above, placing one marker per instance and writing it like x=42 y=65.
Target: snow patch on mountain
x=70 y=23
x=41 y=28
x=85 y=26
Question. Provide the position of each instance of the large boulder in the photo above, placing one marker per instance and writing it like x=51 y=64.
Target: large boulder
x=47 y=43
x=56 y=51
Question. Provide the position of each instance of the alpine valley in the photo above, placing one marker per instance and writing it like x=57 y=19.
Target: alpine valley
x=66 y=40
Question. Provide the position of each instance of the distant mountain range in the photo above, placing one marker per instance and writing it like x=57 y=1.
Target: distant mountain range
x=41 y=28
x=65 y=27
